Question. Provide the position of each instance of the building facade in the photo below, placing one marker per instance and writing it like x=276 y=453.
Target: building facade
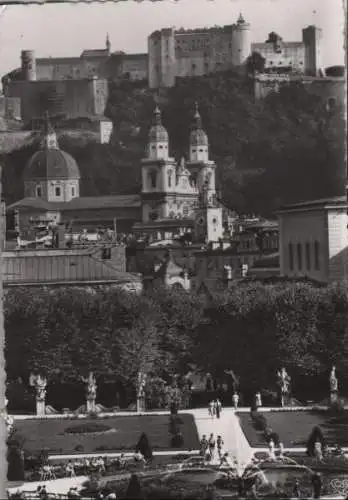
x=303 y=57
x=183 y=193
x=187 y=53
x=314 y=240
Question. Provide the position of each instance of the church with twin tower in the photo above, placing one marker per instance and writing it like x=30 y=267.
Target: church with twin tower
x=183 y=192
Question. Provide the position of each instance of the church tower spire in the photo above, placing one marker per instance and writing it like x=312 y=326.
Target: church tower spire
x=199 y=144
x=158 y=138
x=49 y=140
x=108 y=43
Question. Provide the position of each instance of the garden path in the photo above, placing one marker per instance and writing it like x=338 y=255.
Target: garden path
x=227 y=426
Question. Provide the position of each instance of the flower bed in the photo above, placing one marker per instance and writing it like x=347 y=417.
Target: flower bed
x=51 y=435
x=294 y=427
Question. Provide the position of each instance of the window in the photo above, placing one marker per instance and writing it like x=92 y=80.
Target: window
x=169 y=179
x=291 y=257
x=308 y=256
x=299 y=256
x=73 y=191
x=38 y=191
x=106 y=253
x=57 y=191
x=316 y=255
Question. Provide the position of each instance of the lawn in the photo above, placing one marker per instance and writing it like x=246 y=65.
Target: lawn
x=294 y=427
x=115 y=434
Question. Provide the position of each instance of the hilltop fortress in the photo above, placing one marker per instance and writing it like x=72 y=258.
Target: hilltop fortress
x=177 y=53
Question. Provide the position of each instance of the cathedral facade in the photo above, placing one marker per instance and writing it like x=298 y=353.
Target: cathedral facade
x=184 y=192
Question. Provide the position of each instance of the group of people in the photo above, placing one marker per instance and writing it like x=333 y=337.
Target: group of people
x=100 y=465
x=214 y=408
x=210 y=447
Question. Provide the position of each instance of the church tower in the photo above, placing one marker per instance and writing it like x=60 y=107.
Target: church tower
x=108 y=44
x=208 y=217
x=158 y=173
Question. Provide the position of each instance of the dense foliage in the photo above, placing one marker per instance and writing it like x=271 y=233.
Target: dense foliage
x=285 y=148
x=251 y=329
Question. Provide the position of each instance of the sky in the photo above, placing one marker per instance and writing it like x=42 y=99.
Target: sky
x=66 y=29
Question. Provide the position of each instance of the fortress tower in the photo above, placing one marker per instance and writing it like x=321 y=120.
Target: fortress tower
x=161 y=58
x=28 y=65
x=241 y=42
x=312 y=37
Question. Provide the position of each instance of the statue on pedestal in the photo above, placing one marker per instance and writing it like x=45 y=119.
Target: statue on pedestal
x=9 y=421
x=91 y=393
x=40 y=384
x=141 y=382
x=284 y=382
x=333 y=385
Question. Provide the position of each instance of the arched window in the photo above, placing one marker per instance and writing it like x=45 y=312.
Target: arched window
x=316 y=255
x=291 y=257
x=57 y=191
x=38 y=191
x=153 y=178
x=299 y=256
x=308 y=256
x=170 y=178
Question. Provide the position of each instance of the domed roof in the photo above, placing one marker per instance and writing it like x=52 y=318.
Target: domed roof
x=50 y=162
x=157 y=132
x=197 y=136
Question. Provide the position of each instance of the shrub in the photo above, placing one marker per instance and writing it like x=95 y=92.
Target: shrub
x=15 y=460
x=144 y=447
x=79 y=448
x=177 y=440
x=87 y=428
x=259 y=421
x=134 y=488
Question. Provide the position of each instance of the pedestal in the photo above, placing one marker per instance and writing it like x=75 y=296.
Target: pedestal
x=333 y=397
x=140 y=405
x=40 y=408
x=90 y=404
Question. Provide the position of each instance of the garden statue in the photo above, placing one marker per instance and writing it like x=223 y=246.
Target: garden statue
x=141 y=382
x=235 y=380
x=9 y=421
x=281 y=450
x=91 y=393
x=333 y=385
x=318 y=451
x=258 y=400
x=40 y=384
x=271 y=448
x=284 y=381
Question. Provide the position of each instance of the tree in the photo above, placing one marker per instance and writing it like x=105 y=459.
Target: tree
x=134 y=490
x=144 y=447
x=255 y=63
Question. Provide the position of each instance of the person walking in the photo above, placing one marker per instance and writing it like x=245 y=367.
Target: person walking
x=218 y=408
x=211 y=444
x=219 y=445
x=297 y=489
x=211 y=409
x=235 y=399
x=204 y=445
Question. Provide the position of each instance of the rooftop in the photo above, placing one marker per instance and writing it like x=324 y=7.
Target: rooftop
x=81 y=203
x=319 y=204
x=62 y=267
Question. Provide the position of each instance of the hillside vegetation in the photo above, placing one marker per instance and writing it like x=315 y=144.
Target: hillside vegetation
x=286 y=148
